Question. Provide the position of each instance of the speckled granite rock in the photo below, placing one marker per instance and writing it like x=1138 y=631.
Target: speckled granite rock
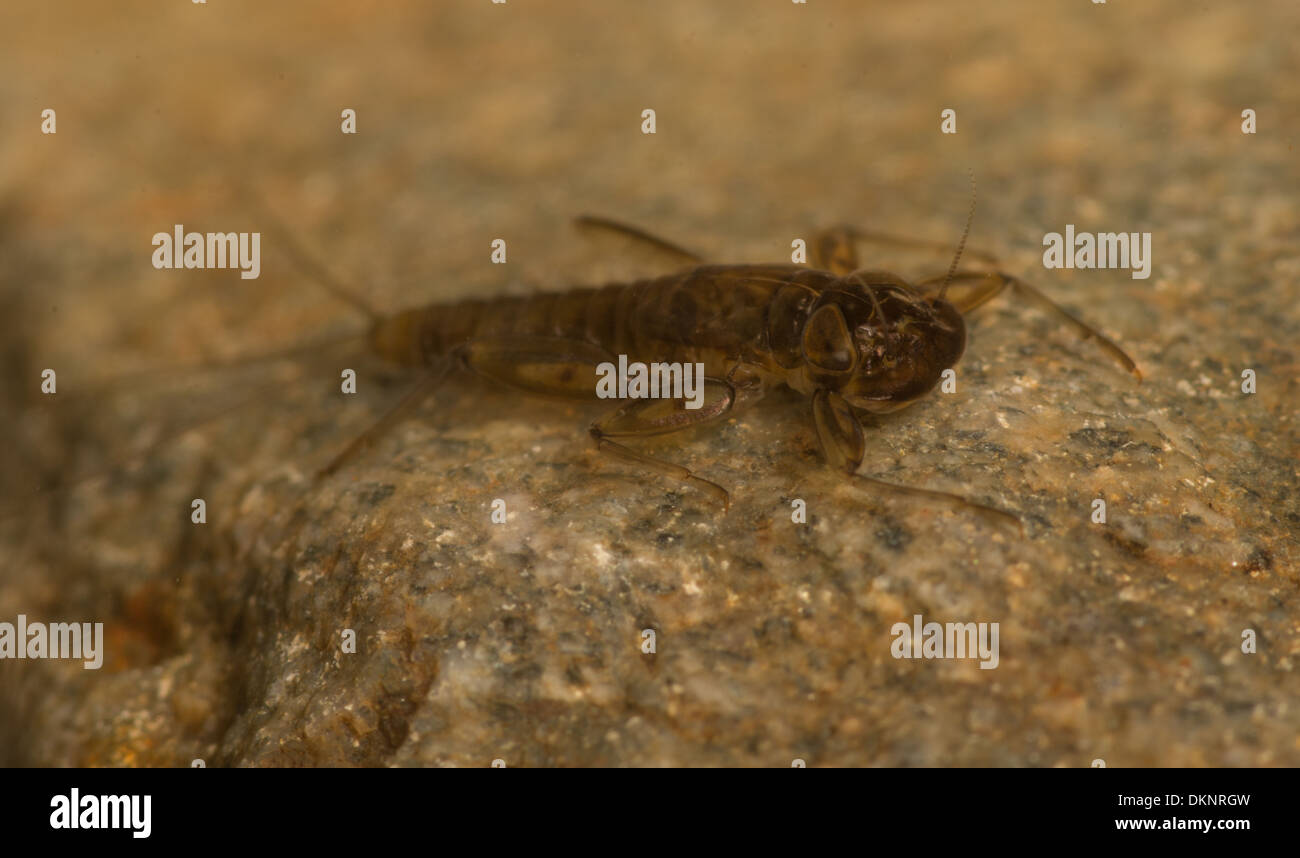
x=522 y=641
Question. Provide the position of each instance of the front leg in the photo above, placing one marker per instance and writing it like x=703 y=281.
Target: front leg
x=836 y=249
x=636 y=418
x=969 y=289
x=843 y=444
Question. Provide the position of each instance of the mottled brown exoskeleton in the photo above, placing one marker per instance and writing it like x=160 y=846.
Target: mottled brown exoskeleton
x=854 y=341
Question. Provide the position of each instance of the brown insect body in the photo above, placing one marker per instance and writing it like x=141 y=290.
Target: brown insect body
x=870 y=336
x=853 y=340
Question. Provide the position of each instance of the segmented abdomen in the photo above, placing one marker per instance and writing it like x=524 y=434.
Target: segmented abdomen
x=712 y=314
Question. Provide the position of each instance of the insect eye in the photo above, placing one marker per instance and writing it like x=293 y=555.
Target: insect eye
x=827 y=344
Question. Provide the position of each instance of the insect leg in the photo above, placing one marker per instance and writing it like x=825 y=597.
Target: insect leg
x=545 y=366
x=400 y=411
x=834 y=250
x=646 y=417
x=987 y=284
x=541 y=365
x=966 y=289
x=567 y=368
x=844 y=444
x=679 y=254
x=857 y=234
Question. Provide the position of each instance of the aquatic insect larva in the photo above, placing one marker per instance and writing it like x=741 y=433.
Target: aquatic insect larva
x=854 y=341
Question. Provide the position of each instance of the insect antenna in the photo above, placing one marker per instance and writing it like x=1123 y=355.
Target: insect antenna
x=961 y=245
x=875 y=304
